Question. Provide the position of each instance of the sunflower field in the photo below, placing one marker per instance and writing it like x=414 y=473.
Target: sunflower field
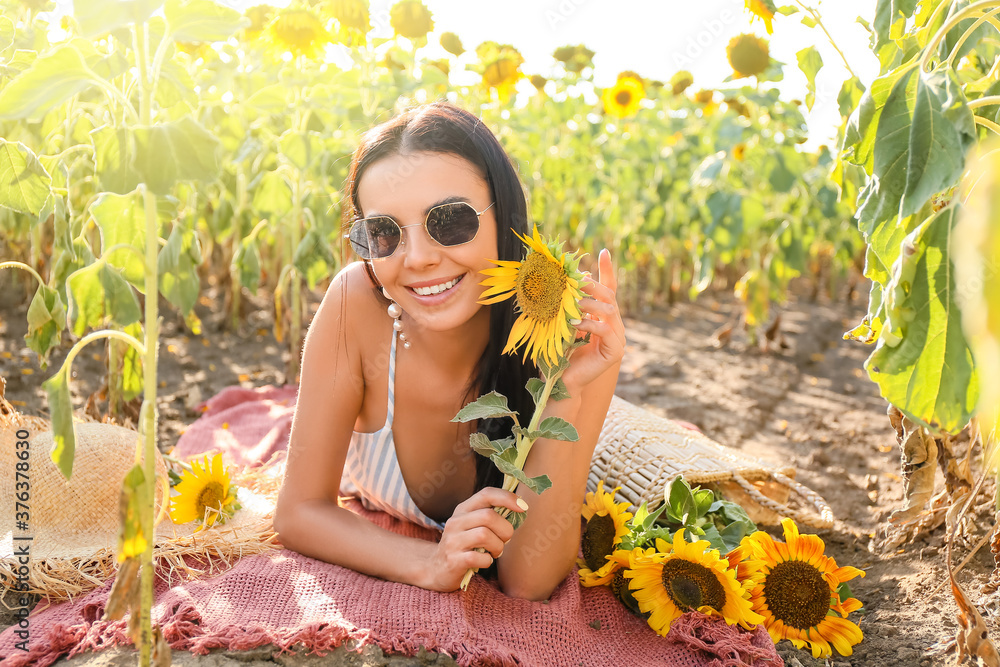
x=172 y=146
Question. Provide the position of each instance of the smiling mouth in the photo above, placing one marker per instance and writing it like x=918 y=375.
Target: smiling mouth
x=437 y=289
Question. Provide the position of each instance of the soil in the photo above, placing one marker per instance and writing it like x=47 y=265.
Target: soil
x=806 y=402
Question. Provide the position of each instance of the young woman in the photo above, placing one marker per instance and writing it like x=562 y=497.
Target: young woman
x=400 y=344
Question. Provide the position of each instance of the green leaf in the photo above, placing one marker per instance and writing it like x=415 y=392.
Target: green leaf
x=114 y=155
x=24 y=183
x=810 y=63
x=7 y=33
x=202 y=21
x=271 y=99
x=246 y=264
x=175 y=151
x=179 y=282
x=61 y=414
x=272 y=195
x=928 y=372
x=46 y=318
x=301 y=149
x=122 y=221
x=680 y=500
x=484 y=446
x=132 y=365
x=135 y=495
x=942 y=132
x=52 y=79
x=850 y=95
x=313 y=257
x=488 y=406
x=880 y=198
x=98 y=291
x=556 y=428
x=859 y=138
x=99 y=17
x=506 y=462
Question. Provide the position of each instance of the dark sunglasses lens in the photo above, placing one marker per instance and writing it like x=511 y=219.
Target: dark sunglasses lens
x=453 y=224
x=359 y=239
x=382 y=236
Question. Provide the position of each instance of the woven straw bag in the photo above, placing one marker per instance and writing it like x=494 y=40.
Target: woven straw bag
x=73 y=524
x=642 y=453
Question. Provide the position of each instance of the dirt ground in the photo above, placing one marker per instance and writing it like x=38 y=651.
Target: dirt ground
x=807 y=404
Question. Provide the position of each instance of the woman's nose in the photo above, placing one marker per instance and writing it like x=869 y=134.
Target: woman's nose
x=418 y=247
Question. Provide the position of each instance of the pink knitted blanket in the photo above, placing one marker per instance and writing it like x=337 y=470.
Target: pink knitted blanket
x=292 y=601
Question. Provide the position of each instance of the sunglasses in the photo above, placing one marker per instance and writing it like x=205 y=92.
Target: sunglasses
x=378 y=236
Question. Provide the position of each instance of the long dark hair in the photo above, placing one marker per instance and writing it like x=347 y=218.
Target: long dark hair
x=443 y=128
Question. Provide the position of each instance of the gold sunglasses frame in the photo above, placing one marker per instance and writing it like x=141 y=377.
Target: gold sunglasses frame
x=402 y=237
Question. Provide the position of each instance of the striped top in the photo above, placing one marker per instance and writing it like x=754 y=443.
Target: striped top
x=371 y=471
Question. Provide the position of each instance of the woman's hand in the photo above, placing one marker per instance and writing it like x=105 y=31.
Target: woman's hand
x=603 y=322
x=474 y=524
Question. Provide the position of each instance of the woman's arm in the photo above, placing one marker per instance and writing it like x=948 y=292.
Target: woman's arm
x=308 y=518
x=544 y=549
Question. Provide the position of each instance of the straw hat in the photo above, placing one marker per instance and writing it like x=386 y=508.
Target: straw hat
x=642 y=452
x=73 y=524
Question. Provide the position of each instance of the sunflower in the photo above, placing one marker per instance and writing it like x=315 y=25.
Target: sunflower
x=623 y=99
x=538 y=81
x=546 y=284
x=298 y=30
x=680 y=82
x=690 y=577
x=574 y=58
x=739 y=150
x=606 y=526
x=500 y=65
x=351 y=14
x=624 y=560
x=748 y=55
x=797 y=592
x=205 y=494
x=451 y=43
x=411 y=19
x=260 y=16
x=764 y=10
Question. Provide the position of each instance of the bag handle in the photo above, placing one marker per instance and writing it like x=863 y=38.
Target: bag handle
x=820 y=517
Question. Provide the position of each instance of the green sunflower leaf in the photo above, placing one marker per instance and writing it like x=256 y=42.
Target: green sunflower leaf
x=46 y=319
x=558 y=393
x=61 y=411
x=24 y=184
x=482 y=445
x=506 y=461
x=554 y=428
x=489 y=406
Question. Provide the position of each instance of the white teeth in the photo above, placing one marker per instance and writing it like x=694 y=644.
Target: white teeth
x=435 y=289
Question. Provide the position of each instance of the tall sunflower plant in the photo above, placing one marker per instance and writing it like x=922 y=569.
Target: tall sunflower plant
x=546 y=286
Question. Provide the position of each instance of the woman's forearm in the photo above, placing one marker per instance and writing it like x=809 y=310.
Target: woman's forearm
x=544 y=549
x=325 y=531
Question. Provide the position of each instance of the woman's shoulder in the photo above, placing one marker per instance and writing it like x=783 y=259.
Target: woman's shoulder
x=351 y=303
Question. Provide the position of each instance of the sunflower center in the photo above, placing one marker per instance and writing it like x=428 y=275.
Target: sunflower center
x=598 y=540
x=624 y=98
x=619 y=586
x=797 y=594
x=692 y=586
x=540 y=286
x=211 y=496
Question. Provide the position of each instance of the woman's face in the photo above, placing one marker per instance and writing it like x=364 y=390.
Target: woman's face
x=405 y=187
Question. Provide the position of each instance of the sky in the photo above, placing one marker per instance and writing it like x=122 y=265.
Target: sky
x=655 y=38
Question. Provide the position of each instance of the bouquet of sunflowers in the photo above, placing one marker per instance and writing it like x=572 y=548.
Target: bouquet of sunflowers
x=698 y=553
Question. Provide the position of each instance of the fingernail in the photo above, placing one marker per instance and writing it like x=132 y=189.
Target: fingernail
x=499 y=554
x=523 y=505
x=576 y=322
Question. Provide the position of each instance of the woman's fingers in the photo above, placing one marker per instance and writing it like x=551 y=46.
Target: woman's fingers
x=490 y=497
x=606 y=272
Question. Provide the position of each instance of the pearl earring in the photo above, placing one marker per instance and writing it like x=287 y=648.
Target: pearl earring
x=396 y=313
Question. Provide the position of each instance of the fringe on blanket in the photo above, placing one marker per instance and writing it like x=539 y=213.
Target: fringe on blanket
x=183 y=630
